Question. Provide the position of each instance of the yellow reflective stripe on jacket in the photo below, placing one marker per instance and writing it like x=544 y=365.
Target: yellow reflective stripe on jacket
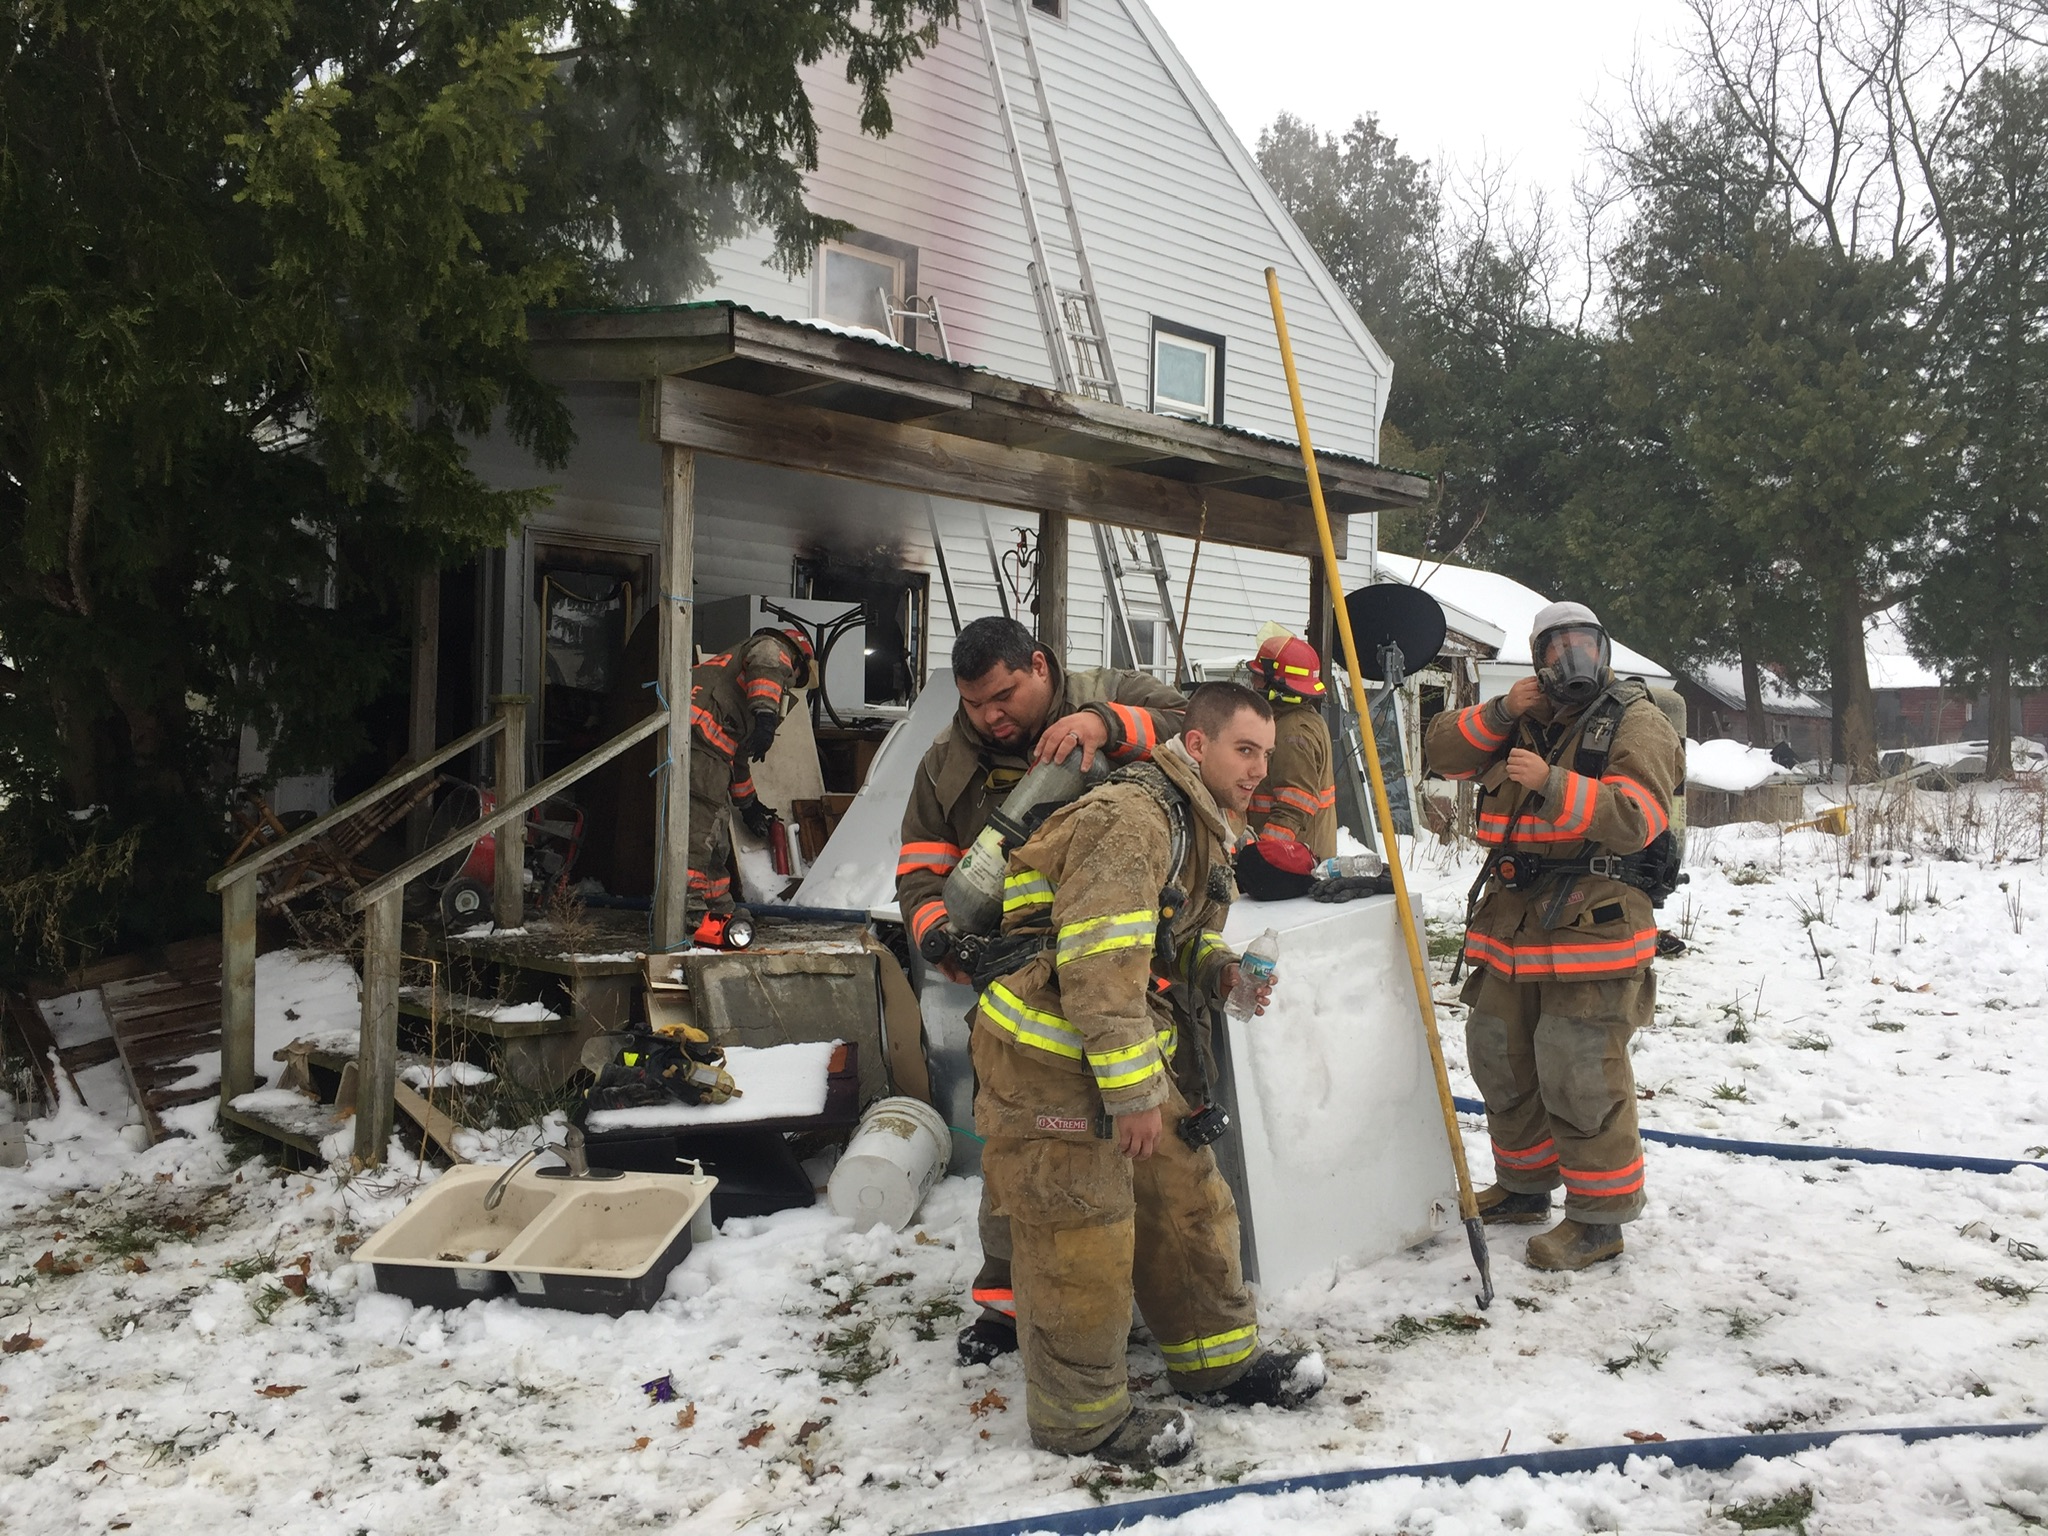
x=1128 y=1067
x=1098 y=935
x=1026 y=888
x=1031 y=1026
x=1199 y=950
x=1213 y=1352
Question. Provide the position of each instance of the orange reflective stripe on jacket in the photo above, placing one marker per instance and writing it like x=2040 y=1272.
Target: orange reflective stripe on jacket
x=743 y=789
x=1273 y=833
x=1473 y=727
x=1139 y=736
x=707 y=726
x=925 y=918
x=1562 y=954
x=1643 y=800
x=1581 y=800
x=939 y=858
x=1305 y=801
x=767 y=690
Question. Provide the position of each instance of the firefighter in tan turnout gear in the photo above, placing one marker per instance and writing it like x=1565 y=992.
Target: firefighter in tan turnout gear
x=737 y=701
x=1091 y=1153
x=1577 y=771
x=1293 y=817
x=1018 y=706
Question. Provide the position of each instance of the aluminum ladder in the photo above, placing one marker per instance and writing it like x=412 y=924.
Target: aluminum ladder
x=1070 y=318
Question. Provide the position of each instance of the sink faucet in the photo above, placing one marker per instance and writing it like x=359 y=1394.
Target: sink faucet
x=495 y=1196
x=569 y=1150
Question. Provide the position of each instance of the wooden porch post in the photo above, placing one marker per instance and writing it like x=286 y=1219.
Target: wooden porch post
x=426 y=674
x=1318 y=632
x=377 y=1046
x=1052 y=581
x=237 y=987
x=672 y=822
x=508 y=893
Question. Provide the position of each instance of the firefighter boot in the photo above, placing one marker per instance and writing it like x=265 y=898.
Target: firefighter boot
x=986 y=1340
x=1150 y=1437
x=1506 y=1205
x=1574 y=1245
x=1279 y=1378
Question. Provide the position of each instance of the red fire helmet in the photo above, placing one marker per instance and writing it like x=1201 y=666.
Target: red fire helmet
x=1287 y=667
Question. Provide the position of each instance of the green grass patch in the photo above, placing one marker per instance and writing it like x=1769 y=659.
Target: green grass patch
x=856 y=1359
x=1787 y=1512
x=1639 y=1354
x=1445 y=943
x=1405 y=1329
x=1813 y=1040
x=1886 y=1026
x=1731 y=1093
x=249 y=1268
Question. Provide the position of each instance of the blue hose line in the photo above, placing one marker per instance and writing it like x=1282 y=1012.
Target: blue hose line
x=1814 y=1152
x=1715 y=1453
x=808 y=914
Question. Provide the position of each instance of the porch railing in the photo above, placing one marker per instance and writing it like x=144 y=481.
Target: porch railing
x=382 y=904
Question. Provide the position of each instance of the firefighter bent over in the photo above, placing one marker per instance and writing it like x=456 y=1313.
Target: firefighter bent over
x=737 y=700
x=1577 y=771
x=1116 y=897
x=1018 y=706
x=1293 y=816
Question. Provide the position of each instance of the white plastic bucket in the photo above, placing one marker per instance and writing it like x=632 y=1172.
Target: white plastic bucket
x=891 y=1164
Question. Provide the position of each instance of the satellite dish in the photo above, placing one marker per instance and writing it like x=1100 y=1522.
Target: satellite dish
x=1393 y=613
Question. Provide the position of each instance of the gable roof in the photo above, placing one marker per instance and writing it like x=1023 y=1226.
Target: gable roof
x=1198 y=100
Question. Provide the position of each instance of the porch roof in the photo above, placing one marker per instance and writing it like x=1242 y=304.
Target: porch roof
x=725 y=379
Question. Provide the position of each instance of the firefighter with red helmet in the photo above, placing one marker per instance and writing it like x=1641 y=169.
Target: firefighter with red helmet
x=1293 y=817
x=737 y=701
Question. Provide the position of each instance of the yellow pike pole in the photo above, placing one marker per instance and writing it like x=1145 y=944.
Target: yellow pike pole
x=1468 y=1202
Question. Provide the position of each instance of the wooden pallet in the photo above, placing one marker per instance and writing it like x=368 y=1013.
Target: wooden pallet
x=161 y=1018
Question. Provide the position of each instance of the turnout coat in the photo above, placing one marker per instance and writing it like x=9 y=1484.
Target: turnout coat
x=964 y=776
x=1603 y=927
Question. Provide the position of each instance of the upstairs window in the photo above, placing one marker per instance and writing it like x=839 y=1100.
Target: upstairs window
x=861 y=278
x=1187 y=372
x=1056 y=9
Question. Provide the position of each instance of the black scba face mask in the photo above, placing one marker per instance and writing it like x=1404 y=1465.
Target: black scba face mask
x=1573 y=663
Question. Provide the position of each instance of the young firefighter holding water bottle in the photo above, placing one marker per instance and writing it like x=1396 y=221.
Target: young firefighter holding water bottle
x=1092 y=1152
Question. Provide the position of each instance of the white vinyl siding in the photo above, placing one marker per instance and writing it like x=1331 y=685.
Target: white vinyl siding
x=1175 y=219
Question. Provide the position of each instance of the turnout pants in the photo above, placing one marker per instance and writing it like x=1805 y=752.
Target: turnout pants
x=1551 y=1060
x=1090 y=1228
x=710 y=832
x=992 y=1289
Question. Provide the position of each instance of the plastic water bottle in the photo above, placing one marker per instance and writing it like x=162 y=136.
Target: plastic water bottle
x=1349 y=866
x=1255 y=967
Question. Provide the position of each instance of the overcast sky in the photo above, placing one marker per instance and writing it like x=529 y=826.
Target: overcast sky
x=1454 y=82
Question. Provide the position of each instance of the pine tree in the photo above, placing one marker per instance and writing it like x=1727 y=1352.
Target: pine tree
x=266 y=264
x=1981 y=607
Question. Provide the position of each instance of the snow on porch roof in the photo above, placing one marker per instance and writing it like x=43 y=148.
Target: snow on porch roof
x=733 y=381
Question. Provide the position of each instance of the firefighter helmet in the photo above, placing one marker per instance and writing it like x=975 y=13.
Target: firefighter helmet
x=1288 y=668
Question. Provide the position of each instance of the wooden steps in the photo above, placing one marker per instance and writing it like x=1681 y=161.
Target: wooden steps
x=161 y=1019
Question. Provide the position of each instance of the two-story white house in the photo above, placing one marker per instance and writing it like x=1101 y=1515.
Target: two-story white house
x=921 y=320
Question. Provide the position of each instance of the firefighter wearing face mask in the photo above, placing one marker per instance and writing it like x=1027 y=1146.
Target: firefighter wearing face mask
x=737 y=701
x=1293 y=817
x=1577 y=771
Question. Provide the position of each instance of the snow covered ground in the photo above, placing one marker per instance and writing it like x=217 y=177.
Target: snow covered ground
x=190 y=1345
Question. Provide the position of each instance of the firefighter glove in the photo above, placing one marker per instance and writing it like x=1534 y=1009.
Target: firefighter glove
x=762 y=737
x=757 y=817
